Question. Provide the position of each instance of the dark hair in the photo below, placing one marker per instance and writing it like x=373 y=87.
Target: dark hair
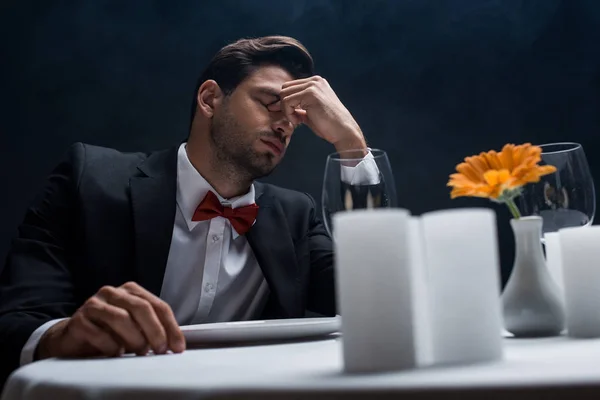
x=236 y=61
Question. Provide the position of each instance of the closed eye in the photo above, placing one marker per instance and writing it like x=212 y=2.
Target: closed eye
x=274 y=106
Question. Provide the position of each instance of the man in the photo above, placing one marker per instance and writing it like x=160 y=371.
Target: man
x=120 y=249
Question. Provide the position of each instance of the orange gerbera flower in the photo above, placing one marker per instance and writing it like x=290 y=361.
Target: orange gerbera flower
x=499 y=176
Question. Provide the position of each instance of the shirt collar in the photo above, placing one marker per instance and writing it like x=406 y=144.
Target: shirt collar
x=192 y=188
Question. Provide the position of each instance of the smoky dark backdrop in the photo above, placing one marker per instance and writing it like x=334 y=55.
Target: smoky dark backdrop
x=429 y=82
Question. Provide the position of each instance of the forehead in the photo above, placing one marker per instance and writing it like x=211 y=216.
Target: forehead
x=267 y=77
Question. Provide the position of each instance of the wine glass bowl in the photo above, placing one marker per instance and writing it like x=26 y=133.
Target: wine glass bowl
x=565 y=198
x=356 y=179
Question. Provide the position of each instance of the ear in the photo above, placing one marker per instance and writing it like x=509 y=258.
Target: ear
x=209 y=97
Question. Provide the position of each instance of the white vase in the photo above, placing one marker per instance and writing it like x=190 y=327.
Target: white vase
x=531 y=301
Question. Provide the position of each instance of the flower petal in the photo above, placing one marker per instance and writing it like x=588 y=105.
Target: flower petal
x=468 y=171
x=504 y=176
x=546 y=169
x=506 y=156
x=493 y=160
x=460 y=192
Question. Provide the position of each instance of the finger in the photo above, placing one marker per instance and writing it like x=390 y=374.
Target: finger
x=314 y=78
x=293 y=103
x=295 y=89
x=274 y=107
x=148 y=325
x=295 y=122
x=144 y=351
x=117 y=319
x=277 y=107
x=302 y=115
x=85 y=331
x=175 y=338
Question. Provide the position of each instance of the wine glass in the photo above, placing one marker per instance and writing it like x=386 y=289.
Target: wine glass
x=356 y=179
x=565 y=198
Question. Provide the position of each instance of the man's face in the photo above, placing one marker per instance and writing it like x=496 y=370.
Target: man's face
x=249 y=130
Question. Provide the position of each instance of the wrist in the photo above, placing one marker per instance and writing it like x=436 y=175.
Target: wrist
x=353 y=139
x=49 y=342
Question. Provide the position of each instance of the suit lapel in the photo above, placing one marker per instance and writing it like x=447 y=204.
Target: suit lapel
x=273 y=248
x=153 y=201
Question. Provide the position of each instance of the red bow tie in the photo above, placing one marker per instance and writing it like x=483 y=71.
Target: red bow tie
x=241 y=218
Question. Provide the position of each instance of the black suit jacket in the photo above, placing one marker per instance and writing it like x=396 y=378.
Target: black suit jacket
x=106 y=217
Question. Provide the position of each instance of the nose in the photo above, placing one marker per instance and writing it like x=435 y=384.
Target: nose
x=284 y=127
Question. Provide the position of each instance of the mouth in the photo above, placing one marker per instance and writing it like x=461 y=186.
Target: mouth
x=275 y=146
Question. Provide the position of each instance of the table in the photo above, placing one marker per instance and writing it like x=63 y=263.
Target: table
x=533 y=368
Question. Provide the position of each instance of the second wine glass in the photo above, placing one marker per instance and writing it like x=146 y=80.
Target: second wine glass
x=567 y=197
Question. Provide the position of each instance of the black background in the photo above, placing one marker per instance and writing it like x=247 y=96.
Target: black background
x=429 y=81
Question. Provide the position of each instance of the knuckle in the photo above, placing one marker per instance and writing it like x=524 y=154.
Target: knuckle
x=77 y=319
x=106 y=290
x=111 y=315
x=130 y=285
x=141 y=305
x=92 y=302
x=163 y=308
x=119 y=316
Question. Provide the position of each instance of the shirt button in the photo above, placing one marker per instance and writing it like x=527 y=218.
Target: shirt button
x=215 y=238
x=208 y=287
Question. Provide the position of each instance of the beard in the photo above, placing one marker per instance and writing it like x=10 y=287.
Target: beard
x=234 y=149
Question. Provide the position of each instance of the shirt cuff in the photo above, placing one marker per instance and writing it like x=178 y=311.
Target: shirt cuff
x=28 y=350
x=364 y=173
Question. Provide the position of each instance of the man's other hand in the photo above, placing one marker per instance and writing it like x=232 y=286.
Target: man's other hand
x=114 y=321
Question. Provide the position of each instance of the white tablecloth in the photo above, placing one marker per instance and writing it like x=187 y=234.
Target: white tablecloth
x=548 y=368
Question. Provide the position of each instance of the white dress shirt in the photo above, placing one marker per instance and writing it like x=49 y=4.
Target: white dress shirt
x=212 y=274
